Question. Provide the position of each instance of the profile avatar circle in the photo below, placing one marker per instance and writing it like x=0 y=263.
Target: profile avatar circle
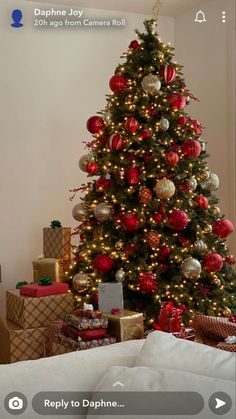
x=17 y=17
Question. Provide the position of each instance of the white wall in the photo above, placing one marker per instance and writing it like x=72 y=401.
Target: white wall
x=207 y=52
x=51 y=81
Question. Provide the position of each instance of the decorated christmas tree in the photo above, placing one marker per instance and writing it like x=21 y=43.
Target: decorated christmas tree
x=149 y=216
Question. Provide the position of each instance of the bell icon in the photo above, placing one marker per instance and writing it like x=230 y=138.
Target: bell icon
x=200 y=17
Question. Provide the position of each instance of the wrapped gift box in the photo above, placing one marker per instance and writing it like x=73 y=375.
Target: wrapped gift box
x=127 y=325
x=81 y=345
x=36 y=290
x=59 y=349
x=84 y=335
x=110 y=296
x=85 y=323
x=34 y=312
x=18 y=344
x=47 y=268
x=57 y=243
x=213 y=328
x=170 y=318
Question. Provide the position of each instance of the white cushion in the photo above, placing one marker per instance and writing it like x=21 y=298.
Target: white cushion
x=156 y=380
x=163 y=350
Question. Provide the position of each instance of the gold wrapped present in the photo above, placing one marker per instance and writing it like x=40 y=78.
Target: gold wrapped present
x=127 y=325
x=34 y=312
x=47 y=268
x=18 y=344
x=57 y=243
x=59 y=349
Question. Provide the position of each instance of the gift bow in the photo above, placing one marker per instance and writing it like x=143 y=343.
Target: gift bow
x=55 y=224
x=45 y=281
x=20 y=284
x=172 y=310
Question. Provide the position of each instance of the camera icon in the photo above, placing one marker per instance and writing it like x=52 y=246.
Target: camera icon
x=15 y=403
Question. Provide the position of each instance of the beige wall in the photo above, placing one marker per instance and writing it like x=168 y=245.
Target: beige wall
x=50 y=83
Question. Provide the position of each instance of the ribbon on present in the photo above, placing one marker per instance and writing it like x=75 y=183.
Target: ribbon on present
x=20 y=284
x=45 y=281
x=170 y=317
x=116 y=311
x=55 y=224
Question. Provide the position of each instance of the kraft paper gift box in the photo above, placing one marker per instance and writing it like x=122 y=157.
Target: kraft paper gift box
x=47 y=268
x=110 y=296
x=18 y=344
x=57 y=242
x=33 y=312
x=127 y=325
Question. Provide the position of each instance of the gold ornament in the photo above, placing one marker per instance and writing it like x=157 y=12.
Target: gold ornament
x=227 y=312
x=151 y=84
x=120 y=275
x=205 y=175
x=79 y=212
x=199 y=245
x=103 y=212
x=119 y=245
x=82 y=282
x=164 y=189
x=207 y=229
x=215 y=210
x=217 y=281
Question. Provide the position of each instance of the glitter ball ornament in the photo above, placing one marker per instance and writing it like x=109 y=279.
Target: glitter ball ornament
x=212 y=183
x=81 y=282
x=79 y=212
x=191 y=149
x=199 y=246
x=120 y=275
x=177 y=101
x=145 y=195
x=147 y=282
x=182 y=120
x=103 y=212
x=151 y=84
x=192 y=183
x=168 y=73
x=152 y=238
x=134 y=44
x=95 y=124
x=191 y=268
x=172 y=158
x=164 y=189
x=103 y=262
x=116 y=142
x=91 y=167
x=201 y=201
x=164 y=124
x=132 y=175
x=118 y=83
x=102 y=183
x=212 y=262
x=130 y=222
x=178 y=220
x=165 y=251
x=84 y=160
x=222 y=228
x=131 y=125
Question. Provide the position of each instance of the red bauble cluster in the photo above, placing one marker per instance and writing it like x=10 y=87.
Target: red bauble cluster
x=91 y=167
x=130 y=222
x=178 y=220
x=145 y=135
x=222 y=228
x=103 y=263
x=134 y=44
x=95 y=124
x=102 y=183
x=132 y=125
x=172 y=158
x=177 y=101
x=118 y=83
x=212 y=262
x=197 y=126
x=116 y=142
x=168 y=73
x=147 y=282
x=191 y=149
x=182 y=120
x=201 y=201
x=132 y=175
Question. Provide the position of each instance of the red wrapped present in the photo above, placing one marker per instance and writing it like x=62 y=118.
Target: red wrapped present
x=213 y=328
x=72 y=345
x=84 y=335
x=36 y=290
x=170 y=317
x=88 y=311
x=85 y=323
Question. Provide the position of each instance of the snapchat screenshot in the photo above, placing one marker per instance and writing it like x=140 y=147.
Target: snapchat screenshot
x=118 y=207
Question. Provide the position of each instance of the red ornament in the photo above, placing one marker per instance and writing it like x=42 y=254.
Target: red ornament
x=212 y=262
x=152 y=239
x=156 y=326
x=184 y=186
x=178 y=220
x=165 y=251
x=201 y=201
x=129 y=249
x=145 y=195
x=229 y=260
x=132 y=125
x=134 y=44
x=232 y=319
x=95 y=124
x=197 y=126
x=157 y=217
x=130 y=222
x=150 y=111
x=147 y=282
x=147 y=158
x=191 y=149
x=222 y=228
x=118 y=83
x=116 y=142
x=168 y=72
x=132 y=175
x=103 y=263
x=172 y=158
x=102 y=183
x=182 y=120
x=145 y=135
x=91 y=167
x=177 y=100
x=183 y=240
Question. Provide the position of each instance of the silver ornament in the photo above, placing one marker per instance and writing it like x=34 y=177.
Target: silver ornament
x=120 y=275
x=212 y=183
x=81 y=282
x=199 y=246
x=79 y=212
x=151 y=84
x=84 y=160
x=102 y=212
x=192 y=183
x=191 y=268
x=164 y=124
x=107 y=116
x=203 y=145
